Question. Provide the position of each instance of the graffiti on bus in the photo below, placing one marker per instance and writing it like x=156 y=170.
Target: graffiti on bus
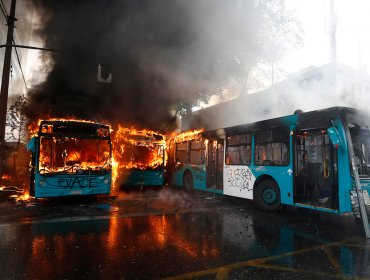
x=240 y=178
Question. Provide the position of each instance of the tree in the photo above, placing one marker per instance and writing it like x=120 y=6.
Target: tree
x=17 y=158
x=250 y=34
x=281 y=33
x=17 y=121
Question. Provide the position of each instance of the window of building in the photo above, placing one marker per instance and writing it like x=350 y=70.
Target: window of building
x=238 y=149
x=272 y=147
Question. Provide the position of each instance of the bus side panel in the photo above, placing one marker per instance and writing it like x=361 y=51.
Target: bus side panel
x=143 y=178
x=153 y=177
x=198 y=173
x=238 y=181
x=283 y=175
x=177 y=177
x=65 y=185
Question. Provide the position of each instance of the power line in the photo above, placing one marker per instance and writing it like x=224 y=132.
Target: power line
x=20 y=66
x=2 y=6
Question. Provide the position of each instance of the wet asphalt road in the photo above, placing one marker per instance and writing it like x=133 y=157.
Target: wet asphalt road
x=171 y=234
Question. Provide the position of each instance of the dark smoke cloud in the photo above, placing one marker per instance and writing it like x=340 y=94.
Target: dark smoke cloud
x=159 y=53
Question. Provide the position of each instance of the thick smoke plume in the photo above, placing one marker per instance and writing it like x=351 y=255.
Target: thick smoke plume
x=160 y=53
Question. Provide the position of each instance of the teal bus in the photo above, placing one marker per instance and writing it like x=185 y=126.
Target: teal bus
x=140 y=155
x=70 y=158
x=303 y=159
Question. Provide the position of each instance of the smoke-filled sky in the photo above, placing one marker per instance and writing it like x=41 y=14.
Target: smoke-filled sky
x=160 y=53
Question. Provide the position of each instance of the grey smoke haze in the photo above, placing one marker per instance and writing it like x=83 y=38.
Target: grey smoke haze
x=159 y=53
x=311 y=89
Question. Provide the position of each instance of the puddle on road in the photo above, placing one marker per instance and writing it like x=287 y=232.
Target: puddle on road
x=157 y=246
x=106 y=208
x=93 y=238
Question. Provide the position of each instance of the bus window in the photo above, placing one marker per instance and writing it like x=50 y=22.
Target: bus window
x=197 y=149
x=272 y=147
x=361 y=148
x=182 y=152
x=62 y=153
x=238 y=149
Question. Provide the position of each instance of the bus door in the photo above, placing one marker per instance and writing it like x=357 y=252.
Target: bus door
x=316 y=173
x=215 y=164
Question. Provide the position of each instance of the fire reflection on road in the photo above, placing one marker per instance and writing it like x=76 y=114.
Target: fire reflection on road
x=226 y=240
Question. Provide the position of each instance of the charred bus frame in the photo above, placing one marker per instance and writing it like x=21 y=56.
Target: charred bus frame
x=141 y=157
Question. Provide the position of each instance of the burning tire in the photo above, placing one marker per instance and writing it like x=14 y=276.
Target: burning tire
x=188 y=182
x=268 y=196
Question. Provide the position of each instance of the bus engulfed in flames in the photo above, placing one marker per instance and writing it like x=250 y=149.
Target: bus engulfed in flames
x=68 y=154
x=134 y=157
x=70 y=157
x=141 y=156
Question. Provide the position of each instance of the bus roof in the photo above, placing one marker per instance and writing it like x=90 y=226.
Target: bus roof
x=73 y=128
x=303 y=120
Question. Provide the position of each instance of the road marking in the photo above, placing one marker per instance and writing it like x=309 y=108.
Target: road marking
x=333 y=260
x=223 y=274
x=261 y=263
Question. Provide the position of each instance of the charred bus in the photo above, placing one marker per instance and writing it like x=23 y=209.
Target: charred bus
x=141 y=157
x=70 y=158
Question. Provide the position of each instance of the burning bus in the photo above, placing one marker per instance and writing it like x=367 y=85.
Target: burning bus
x=141 y=157
x=70 y=158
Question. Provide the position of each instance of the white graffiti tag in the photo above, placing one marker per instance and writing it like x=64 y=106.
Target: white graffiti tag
x=240 y=178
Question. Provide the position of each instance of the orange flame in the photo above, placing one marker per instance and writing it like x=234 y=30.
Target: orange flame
x=6 y=177
x=71 y=155
x=24 y=197
x=139 y=149
x=188 y=135
x=114 y=172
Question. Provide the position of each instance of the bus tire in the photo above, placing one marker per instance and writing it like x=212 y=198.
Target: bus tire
x=268 y=196
x=188 y=182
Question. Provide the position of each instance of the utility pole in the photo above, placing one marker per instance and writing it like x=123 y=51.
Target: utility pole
x=5 y=83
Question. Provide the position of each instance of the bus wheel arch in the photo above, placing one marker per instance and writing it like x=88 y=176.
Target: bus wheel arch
x=267 y=194
x=188 y=180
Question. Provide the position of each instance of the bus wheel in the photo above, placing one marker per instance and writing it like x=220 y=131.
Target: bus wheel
x=268 y=196
x=188 y=183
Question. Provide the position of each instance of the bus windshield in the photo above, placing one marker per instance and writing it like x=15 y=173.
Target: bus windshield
x=139 y=149
x=73 y=155
x=361 y=147
x=142 y=157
